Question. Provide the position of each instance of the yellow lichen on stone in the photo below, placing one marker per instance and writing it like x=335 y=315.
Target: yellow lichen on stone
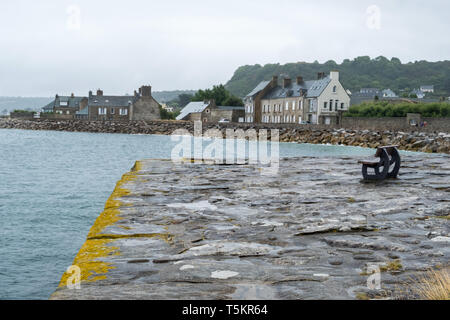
x=98 y=245
x=91 y=268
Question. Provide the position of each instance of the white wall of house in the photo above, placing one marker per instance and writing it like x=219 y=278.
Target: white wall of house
x=339 y=94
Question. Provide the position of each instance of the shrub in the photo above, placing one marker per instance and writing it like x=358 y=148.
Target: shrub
x=385 y=109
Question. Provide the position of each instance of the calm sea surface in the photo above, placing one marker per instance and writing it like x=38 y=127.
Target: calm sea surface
x=53 y=185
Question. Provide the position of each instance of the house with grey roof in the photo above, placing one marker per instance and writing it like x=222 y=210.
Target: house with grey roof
x=65 y=107
x=388 y=93
x=417 y=92
x=319 y=101
x=207 y=111
x=140 y=106
x=196 y=110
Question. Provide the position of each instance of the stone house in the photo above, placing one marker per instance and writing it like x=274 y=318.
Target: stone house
x=207 y=111
x=65 y=107
x=140 y=106
x=319 y=101
x=197 y=111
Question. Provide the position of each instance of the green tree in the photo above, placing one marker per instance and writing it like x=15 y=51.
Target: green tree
x=166 y=115
x=184 y=99
x=221 y=95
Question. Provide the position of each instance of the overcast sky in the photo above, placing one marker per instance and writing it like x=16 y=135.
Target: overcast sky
x=61 y=46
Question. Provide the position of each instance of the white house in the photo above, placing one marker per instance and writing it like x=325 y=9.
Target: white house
x=427 y=88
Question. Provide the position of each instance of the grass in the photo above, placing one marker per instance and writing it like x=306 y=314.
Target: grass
x=434 y=285
x=362 y=296
x=393 y=265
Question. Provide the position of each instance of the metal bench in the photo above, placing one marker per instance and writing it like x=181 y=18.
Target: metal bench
x=387 y=156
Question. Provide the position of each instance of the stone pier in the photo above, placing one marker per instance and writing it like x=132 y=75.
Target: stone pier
x=315 y=230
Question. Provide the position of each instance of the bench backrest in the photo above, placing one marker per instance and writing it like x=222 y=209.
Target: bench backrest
x=389 y=150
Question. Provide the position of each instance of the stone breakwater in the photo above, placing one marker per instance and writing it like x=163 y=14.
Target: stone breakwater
x=313 y=231
x=424 y=141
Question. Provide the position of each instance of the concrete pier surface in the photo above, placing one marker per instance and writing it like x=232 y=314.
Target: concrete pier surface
x=315 y=230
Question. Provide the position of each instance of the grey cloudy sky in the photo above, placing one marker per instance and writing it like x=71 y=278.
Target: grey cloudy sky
x=60 y=46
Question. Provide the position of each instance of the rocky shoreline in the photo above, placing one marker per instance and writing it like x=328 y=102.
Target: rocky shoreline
x=411 y=140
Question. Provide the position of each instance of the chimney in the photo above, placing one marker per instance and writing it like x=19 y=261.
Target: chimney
x=299 y=80
x=146 y=91
x=320 y=75
x=135 y=93
x=90 y=93
x=334 y=75
x=274 y=81
x=286 y=82
x=56 y=96
x=72 y=95
x=99 y=92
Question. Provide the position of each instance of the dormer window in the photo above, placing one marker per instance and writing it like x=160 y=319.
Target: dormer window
x=334 y=89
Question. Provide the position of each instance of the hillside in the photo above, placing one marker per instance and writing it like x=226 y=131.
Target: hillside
x=166 y=96
x=354 y=74
x=33 y=103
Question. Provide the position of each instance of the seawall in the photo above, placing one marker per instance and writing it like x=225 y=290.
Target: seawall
x=427 y=139
x=205 y=231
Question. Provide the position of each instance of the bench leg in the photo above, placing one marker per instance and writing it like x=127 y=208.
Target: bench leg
x=395 y=158
x=379 y=174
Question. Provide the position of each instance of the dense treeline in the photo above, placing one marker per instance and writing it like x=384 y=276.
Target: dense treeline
x=386 y=109
x=362 y=72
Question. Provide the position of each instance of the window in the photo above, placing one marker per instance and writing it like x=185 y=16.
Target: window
x=336 y=105
x=342 y=105
x=101 y=111
x=63 y=103
x=325 y=105
x=293 y=105
x=124 y=111
x=287 y=106
x=112 y=110
x=334 y=89
x=331 y=105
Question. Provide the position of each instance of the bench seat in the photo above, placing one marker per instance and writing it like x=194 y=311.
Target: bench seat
x=370 y=162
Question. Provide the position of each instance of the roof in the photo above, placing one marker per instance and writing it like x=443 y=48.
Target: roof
x=72 y=102
x=258 y=88
x=49 y=107
x=192 y=107
x=316 y=87
x=313 y=88
x=111 y=101
x=388 y=91
x=368 y=89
